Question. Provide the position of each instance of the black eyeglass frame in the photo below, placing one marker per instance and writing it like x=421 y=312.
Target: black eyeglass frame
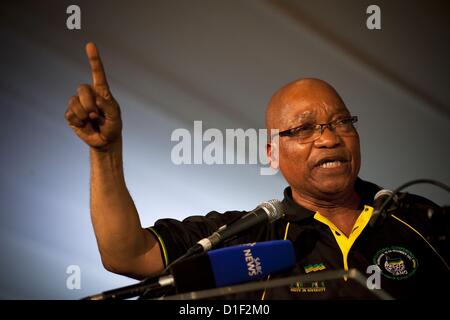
x=331 y=125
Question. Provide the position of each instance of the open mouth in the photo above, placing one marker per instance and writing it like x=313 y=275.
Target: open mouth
x=333 y=162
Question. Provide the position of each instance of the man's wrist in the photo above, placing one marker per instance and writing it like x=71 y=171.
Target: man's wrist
x=110 y=155
x=111 y=148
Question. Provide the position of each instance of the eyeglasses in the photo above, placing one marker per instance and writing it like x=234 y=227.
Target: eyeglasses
x=310 y=132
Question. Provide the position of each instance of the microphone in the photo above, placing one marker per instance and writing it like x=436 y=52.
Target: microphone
x=216 y=268
x=233 y=265
x=268 y=211
x=381 y=200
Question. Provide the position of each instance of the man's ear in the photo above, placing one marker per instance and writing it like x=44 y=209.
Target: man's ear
x=272 y=150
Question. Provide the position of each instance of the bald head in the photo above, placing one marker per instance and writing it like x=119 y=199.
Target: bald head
x=304 y=104
x=308 y=92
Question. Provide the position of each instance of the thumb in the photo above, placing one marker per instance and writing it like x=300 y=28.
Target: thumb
x=108 y=107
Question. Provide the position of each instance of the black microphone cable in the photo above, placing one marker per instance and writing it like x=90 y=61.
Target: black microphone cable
x=384 y=212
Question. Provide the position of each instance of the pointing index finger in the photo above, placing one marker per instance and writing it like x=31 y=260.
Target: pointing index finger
x=98 y=73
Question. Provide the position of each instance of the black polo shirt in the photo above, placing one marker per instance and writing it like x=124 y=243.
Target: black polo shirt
x=402 y=247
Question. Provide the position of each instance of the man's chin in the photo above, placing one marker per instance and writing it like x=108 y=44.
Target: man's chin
x=334 y=187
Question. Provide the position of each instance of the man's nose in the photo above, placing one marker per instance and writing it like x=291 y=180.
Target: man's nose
x=328 y=138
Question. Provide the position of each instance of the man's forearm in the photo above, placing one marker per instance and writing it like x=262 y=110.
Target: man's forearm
x=114 y=216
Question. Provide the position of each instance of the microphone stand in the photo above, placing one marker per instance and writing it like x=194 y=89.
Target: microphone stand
x=154 y=285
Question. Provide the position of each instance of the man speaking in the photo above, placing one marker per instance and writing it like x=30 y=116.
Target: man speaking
x=328 y=208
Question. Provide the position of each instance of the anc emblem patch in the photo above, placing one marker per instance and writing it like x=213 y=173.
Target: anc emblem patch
x=310 y=287
x=314 y=267
x=396 y=263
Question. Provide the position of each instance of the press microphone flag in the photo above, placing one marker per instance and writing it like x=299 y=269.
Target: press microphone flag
x=233 y=265
x=216 y=268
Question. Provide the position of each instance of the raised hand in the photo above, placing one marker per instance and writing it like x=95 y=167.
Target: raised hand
x=93 y=113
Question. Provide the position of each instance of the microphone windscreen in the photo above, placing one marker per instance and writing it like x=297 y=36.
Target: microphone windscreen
x=382 y=195
x=233 y=265
x=249 y=262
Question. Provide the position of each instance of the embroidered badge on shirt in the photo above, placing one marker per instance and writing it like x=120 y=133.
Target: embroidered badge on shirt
x=396 y=263
x=314 y=267
x=310 y=287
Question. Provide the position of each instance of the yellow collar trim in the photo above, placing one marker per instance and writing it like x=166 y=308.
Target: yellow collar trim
x=345 y=243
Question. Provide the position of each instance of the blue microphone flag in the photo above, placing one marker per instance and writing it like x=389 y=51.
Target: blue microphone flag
x=250 y=262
